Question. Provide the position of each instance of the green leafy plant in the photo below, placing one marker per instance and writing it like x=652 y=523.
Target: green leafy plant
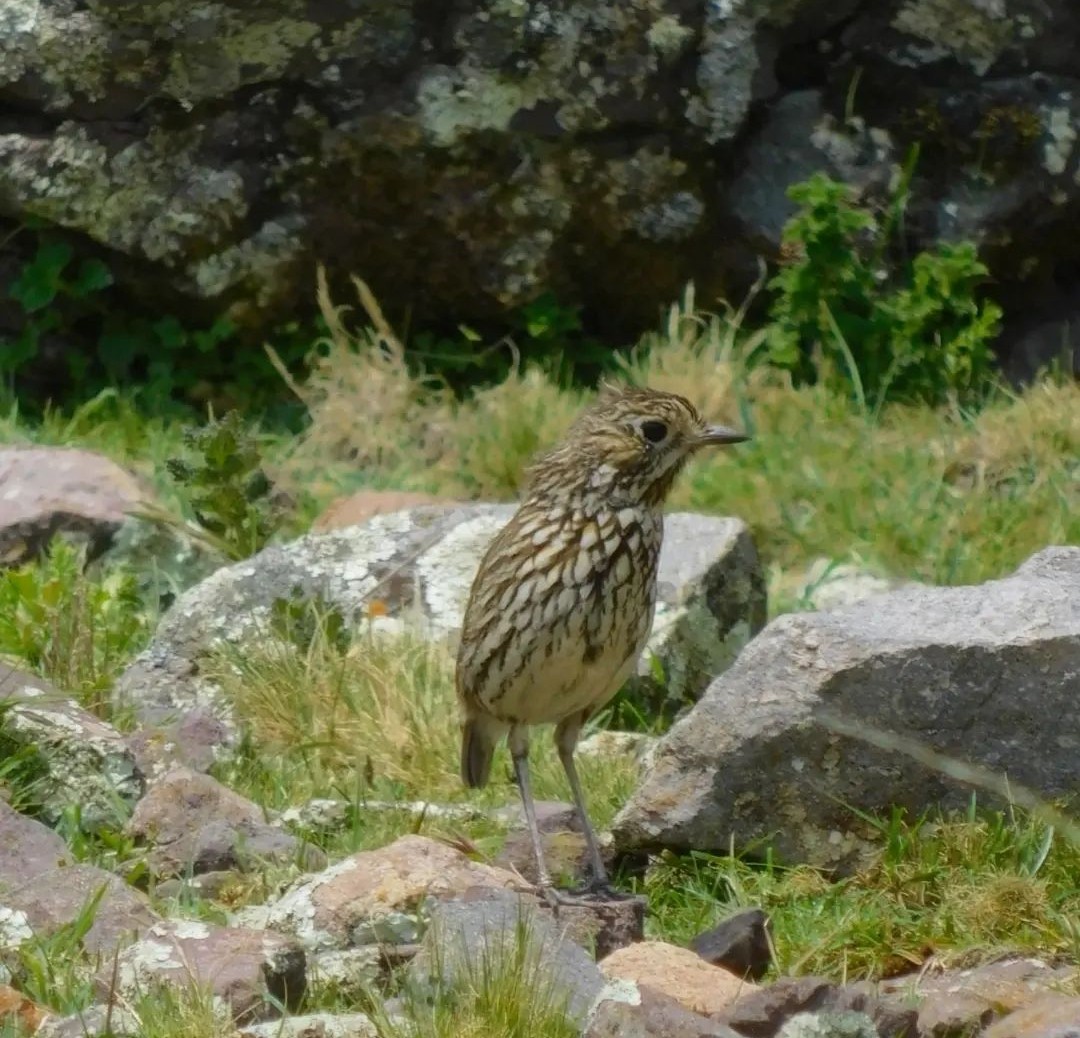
x=226 y=487
x=74 y=630
x=849 y=312
x=545 y=332
x=50 y=292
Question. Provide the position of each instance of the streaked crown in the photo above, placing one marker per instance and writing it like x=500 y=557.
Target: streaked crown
x=627 y=447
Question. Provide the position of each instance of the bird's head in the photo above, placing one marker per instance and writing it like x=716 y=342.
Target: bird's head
x=630 y=444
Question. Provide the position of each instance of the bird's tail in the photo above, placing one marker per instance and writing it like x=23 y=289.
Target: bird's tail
x=478 y=739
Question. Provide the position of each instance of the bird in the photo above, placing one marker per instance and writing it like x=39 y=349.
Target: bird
x=563 y=600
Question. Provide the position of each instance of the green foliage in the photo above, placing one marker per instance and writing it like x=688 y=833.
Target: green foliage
x=225 y=485
x=848 y=314
x=76 y=631
x=110 y=344
x=544 y=332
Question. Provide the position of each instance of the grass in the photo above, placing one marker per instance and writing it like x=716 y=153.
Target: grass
x=935 y=495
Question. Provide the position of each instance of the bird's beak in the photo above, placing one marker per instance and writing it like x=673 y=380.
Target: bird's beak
x=717 y=435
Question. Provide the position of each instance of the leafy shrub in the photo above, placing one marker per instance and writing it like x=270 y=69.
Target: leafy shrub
x=169 y=359
x=844 y=313
x=224 y=483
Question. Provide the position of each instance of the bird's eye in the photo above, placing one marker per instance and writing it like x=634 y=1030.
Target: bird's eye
x=654 y=432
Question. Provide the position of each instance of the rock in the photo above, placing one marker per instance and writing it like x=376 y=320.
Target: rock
x=623 y=1010
x=192 y=740
x=314 y=1025
x=1050 y=1016
x=49 y=490
x=765 y=1011
x=466 y=163
x=375 y=896
x=609 y=745
x=245 y=968
x=600 y=926
x=467 y=938
x=358 y=508
x=46 y=901
x=27 y=847
x=97 y=1021
x=829 y=1025
x=81 y=760
x=348 y=973
x=20 y=1012
x=419 y=565
x=679 y=974
x=193 y=824
x=739 y=944
x=966 y=1000
x=986 y=673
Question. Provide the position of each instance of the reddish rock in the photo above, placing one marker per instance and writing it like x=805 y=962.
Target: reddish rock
x=1049 y=1016
x=15 y=1006
x=48 y=490
x=249 y=969
x=359 y=507
x=625 y=1011
x=373 y=896
x=41 y=903
x=195 y=824
x=678 y=973
x=26 y=847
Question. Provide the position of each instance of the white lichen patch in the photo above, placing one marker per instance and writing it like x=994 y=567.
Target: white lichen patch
x=975 y=32
x=1061 y=134
x=446 y=570
x=14 y=928
x=452 y=103
x=294 y=912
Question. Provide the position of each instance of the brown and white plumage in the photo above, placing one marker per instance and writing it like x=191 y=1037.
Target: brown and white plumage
x=563 y=600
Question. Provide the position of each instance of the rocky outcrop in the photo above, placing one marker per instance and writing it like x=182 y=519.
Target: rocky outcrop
x=465 y=158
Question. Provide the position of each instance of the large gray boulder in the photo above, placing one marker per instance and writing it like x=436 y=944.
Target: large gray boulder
x=989 y=674
x=417 y=567
x=467 y=156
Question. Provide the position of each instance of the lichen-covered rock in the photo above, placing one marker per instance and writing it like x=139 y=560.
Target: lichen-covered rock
x=625 y=1010
x=252 y=971
x=987 y=673
x=375 y=896
x=418 y=566
x=314 y=1025
x=465 y=159
x=81 y=761
x=38 y=905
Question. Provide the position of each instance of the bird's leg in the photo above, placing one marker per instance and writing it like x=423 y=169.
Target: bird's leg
x=566 y=737
x=519 y=753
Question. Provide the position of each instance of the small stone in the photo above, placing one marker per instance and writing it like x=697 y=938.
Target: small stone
x=193 y=824
x=16 y=1008
x=739 y=943
x=462 y=935
x=250 y=970
x=349 y=973
x=85 y=763
x=314 y=1025
x=623 y=1010
x=49 y=490
x=46 y=901
x=1049 y=1016
x=329 y=909
x=679 y=974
